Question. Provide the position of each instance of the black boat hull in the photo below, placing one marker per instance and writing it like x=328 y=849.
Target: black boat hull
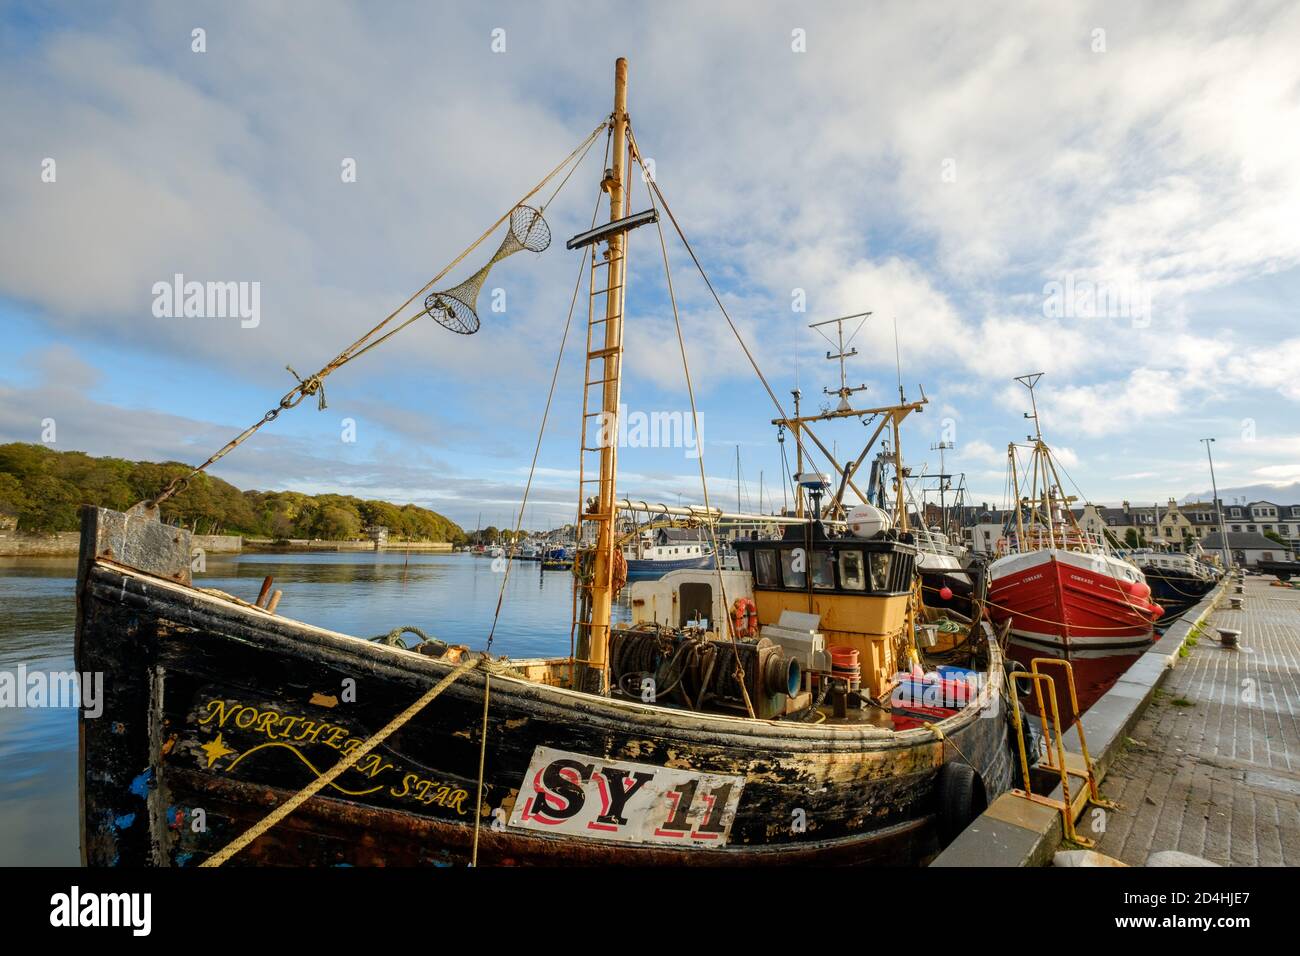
x=219 y=711
x=1175 y=592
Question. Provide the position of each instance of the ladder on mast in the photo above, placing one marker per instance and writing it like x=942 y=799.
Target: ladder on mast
x=599 y=439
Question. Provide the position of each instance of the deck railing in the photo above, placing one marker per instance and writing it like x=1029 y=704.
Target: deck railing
x=1038 y=537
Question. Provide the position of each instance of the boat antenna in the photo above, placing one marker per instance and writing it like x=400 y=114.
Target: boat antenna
x=941 y=447
x=842 y=352
x=898 y=364
x=1029 y=381
x=738 y=507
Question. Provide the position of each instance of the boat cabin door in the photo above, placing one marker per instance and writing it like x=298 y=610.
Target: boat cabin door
x=695 y=604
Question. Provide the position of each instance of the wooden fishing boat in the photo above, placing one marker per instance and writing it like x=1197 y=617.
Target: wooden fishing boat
x=710 y=730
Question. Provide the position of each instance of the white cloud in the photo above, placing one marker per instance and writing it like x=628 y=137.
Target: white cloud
x=1168 y=159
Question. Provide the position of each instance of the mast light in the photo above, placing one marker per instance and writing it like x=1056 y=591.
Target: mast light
x=611 y=229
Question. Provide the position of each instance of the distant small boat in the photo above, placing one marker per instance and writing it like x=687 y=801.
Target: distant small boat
x=529 y=551
x=652 y=554
x=557 y=558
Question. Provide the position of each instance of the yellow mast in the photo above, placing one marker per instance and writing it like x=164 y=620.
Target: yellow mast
x=593 y=645
x=900 y=508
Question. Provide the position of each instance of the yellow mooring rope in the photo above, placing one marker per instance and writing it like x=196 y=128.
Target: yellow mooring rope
x=482 y=759
x=323 y=781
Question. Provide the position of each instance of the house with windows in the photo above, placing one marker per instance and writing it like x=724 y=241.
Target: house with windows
x=982 y=527
x=1264 y=518
x=1288 y=525
x=1170 y=525
x=1201 y=518
x=1248 y=548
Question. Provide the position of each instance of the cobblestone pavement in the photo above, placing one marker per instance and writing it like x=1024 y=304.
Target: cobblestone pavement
x=1214 y=764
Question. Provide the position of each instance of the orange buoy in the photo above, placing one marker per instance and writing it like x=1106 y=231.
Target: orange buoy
x=845 y=666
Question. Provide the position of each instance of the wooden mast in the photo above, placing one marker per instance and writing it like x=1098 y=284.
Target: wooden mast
x=594 y=643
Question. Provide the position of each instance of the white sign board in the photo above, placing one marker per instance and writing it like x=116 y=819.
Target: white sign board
x=627 y=802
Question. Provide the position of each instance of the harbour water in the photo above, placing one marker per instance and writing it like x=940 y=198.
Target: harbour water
x=450 y=596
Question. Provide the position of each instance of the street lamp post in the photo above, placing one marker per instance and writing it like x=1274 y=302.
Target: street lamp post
x=1218 y=507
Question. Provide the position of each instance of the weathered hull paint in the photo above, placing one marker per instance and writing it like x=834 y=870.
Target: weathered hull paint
x=218 y=711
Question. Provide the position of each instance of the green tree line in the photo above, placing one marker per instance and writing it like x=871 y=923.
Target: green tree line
x=43 y=489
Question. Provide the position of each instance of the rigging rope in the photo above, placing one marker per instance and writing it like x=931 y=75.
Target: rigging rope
x=695 y=424
x=315 y=385
x=654 y=188
x=482 y=762
x=546 y=412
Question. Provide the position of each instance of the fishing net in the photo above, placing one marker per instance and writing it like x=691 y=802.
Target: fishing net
x=456 y=309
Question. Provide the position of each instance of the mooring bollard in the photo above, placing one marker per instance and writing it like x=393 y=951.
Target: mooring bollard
x=1228 y=636
x=1236 y=603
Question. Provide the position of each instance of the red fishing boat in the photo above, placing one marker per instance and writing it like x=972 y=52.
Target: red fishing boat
x=1066 y=594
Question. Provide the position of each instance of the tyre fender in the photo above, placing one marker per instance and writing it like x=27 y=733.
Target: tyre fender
x=961 y=798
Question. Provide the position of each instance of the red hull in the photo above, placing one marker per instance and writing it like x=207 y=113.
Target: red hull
x=1093 y=676
x=1064 y=609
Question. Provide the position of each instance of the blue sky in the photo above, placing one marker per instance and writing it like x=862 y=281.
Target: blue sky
x=943 y=167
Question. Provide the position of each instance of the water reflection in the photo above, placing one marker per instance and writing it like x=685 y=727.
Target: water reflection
x=451 y=596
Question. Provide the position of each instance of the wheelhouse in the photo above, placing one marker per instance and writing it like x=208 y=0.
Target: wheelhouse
x=806 y=560
x=859 y=588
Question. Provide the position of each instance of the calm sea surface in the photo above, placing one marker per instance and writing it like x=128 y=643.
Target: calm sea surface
x=449 y=596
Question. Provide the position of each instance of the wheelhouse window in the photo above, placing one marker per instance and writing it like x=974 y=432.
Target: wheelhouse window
x=823 y=570
x=853 y=574
x=746 y=561
x=795 y=557
x=880 y=571
x=765 y=569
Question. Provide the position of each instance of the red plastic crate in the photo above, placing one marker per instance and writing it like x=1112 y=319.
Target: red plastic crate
x=909 y=718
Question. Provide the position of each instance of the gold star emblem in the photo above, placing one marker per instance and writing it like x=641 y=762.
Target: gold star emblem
x=215 y=749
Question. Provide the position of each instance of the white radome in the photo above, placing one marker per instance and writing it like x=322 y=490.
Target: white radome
x=867 y=521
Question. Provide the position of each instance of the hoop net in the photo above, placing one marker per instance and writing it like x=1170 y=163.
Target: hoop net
x=457 y=309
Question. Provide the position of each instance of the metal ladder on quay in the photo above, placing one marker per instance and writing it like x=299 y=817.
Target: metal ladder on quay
x=1065 y=764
